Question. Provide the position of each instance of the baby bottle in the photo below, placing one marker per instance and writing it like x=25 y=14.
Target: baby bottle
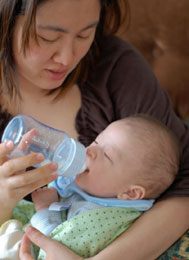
x=55 y=145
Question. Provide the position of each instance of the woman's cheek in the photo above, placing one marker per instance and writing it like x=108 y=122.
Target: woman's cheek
x=83 y=48
x=39 y=51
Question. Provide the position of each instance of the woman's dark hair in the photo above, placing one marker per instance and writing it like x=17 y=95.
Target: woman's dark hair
x=113 y=14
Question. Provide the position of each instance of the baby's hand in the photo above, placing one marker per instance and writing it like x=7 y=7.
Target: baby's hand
x=44 y=197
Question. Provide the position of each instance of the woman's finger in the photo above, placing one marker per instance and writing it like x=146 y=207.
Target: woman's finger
x=5 y=148
x=26 y=140
x=25 y=249
x=20 y=164
x=18 y=192
x=53 y=249
x=21 y=192
x=34 y=186
x=32 y=176
x=39 y=239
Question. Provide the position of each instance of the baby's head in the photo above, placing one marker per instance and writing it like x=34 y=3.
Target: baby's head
x=133 y=158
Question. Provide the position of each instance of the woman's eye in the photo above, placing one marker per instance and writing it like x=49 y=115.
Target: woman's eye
x=47 y=40
x=82 y=37
x=87 y=34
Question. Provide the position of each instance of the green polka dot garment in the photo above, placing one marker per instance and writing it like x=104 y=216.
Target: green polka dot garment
x=90 y=232
x=87 y=233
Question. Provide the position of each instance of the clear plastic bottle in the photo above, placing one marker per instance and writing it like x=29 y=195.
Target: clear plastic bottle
x=54 y=144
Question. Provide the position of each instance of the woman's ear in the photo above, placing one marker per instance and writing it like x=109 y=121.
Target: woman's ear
x=135 y=192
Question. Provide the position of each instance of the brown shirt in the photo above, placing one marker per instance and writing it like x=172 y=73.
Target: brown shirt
x=121 y=84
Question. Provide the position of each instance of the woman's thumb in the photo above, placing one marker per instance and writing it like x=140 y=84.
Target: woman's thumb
x=37 y=238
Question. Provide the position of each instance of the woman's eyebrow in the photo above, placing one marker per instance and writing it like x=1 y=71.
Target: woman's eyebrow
x=90 y=26
x=60 y=29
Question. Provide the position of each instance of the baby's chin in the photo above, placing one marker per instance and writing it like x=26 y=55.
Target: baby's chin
x=81 y=175
x=78 y=180
x=81 y=181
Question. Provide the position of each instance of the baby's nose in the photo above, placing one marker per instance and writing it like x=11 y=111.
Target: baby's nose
x=91 y=152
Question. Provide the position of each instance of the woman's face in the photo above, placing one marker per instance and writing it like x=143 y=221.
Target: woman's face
x=65 y=31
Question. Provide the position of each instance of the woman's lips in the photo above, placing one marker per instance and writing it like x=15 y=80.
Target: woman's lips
x=56 y=75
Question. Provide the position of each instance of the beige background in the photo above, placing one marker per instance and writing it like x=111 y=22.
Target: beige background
x=160 y=30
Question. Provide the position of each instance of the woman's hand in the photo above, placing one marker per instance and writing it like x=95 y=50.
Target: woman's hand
x=53 y=249
x=15 y=183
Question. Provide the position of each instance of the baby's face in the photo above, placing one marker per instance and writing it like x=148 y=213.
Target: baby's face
x=108 y=164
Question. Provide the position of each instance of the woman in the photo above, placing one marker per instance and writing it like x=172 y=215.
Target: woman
x=59 y=56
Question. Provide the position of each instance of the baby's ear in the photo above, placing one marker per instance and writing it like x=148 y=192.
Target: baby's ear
x=135 y=192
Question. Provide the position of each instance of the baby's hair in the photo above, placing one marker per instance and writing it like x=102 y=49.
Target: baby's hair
x=158 y=153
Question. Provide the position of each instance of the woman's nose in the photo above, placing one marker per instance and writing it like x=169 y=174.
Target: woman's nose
x=64 y=55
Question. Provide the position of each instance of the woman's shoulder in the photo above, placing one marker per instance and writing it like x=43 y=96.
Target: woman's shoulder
x=118 y=53
x=116 y=44
x=114 y=47
x=119 y=60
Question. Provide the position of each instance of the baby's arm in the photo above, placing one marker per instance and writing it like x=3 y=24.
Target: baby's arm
x=45 y=220
x=43 y=197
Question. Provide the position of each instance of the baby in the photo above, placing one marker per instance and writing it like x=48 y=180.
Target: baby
x=132 y=162
x=132 y=159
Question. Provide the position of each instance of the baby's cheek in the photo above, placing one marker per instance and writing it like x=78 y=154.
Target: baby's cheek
x=80 y=181
x=85 y=184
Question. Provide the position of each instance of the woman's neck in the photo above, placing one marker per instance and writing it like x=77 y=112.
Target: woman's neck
x=57 y=110
x=34 y=93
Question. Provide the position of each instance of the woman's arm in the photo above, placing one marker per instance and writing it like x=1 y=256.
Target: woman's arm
x=154 y=232
x=146 y=239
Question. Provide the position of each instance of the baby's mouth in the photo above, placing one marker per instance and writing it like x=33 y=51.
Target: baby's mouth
x=84 y=172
